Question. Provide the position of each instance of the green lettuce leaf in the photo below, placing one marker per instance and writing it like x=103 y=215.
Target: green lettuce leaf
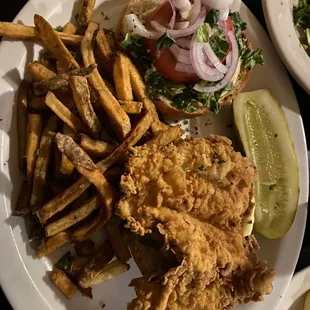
x=165 y=41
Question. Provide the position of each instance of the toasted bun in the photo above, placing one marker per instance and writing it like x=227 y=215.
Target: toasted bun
x=143 y=8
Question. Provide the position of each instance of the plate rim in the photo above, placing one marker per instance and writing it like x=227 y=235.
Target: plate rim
x=9 y=292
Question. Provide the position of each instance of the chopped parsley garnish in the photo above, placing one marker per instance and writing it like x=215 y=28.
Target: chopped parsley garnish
x=221 y=161
x=64 y=262
x=203 y=33
x=212 y=17
x=272 y=187
x=250 y=222
x=202 y=168
x=182 y=167
x=59 y=28
x=165 y=41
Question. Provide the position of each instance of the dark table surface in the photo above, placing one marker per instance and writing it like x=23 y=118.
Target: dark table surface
x=9 y=9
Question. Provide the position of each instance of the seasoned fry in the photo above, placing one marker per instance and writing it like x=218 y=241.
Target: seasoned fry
x=89 y=170
x=78 y=263
x=34 y=131
x=74 y=191
x=121 y=73
x=140 y=91
x=73 y=217
x=86 y=14
x=120 y=119
x=85 y=248
x=60 y=82
x=118 y=244
x=65 y=285
x=38 y=72
x=22 y=119
x=81 y=95
x=96 y=148
x=69 y=28
x=22 y=32
x=168 y=136
x=49 y=245
x=66 y=167
x=65 y=114
x=59 y=68
x=109 y=271
x=38 y=104
x=131 y=107
x=22 y=206
x=53 y=43
x=95 y=265
x=82 y=232
x=43 y=159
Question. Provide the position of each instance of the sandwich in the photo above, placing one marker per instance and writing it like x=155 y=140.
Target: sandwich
x=194 y=55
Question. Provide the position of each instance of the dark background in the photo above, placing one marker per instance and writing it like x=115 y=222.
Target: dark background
x=9 y=9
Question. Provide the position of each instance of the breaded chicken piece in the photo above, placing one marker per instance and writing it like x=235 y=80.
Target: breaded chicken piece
x=195 y=193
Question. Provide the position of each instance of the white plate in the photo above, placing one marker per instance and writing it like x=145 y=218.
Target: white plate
x=296 y=293
x=279 y=19
x=23 y=277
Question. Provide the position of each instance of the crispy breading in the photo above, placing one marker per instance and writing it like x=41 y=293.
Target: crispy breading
x=194 y=192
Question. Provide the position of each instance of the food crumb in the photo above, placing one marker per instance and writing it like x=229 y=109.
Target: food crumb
x=275 y=135
x=196 y=128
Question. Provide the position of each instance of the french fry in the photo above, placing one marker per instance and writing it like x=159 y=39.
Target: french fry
x=82 y=232
x=72 y=217
x=140 y=91
x=78 y=263
x=85 y=248
x=96 y=148
x=22 y=206
x=74 y=191
x=65 y=285
x=51 y=244
x=52 y=41
x=131 y=107
x=59 y=68
x=34 y=131
x=109 y=271
x=120 y=119
x=38 y=72
x=66 y=167
x=60 y=82
x=95 y=265
x=121 y=73
x=43 y=159
x=69 y=28
x=22 y=120
x=165 y=137
x=38 y=104
x=81 y=95
x=65 y=114
x=22 y=32
x=118 y=244
x=85 y=14
x=89 y=170
x=103 y=52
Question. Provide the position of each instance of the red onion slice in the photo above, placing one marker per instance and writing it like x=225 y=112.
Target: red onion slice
x=228 y=59
x=214 y=59
x=182 y=5
x=180 y=67
x=195 y=12
x=181 y=25
x=231 y=71
x=181 y=55
x=183 y=32
x=204 y=71
x=136 y=26
x=174 y=14
x=183 y=42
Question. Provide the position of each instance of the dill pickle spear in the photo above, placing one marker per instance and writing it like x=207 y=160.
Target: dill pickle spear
x=265 y=136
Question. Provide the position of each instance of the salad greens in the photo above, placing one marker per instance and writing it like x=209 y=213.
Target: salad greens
x=184 y=96
x=165 y=41
x=64 y=262
x=301 y=16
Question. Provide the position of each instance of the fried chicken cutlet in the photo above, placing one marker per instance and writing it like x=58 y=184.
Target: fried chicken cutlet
x=195 y=192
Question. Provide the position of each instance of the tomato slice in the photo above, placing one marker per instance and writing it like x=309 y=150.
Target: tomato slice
x=166 y=62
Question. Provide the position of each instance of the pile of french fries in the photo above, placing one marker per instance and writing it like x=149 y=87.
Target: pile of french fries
x=81 y=108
